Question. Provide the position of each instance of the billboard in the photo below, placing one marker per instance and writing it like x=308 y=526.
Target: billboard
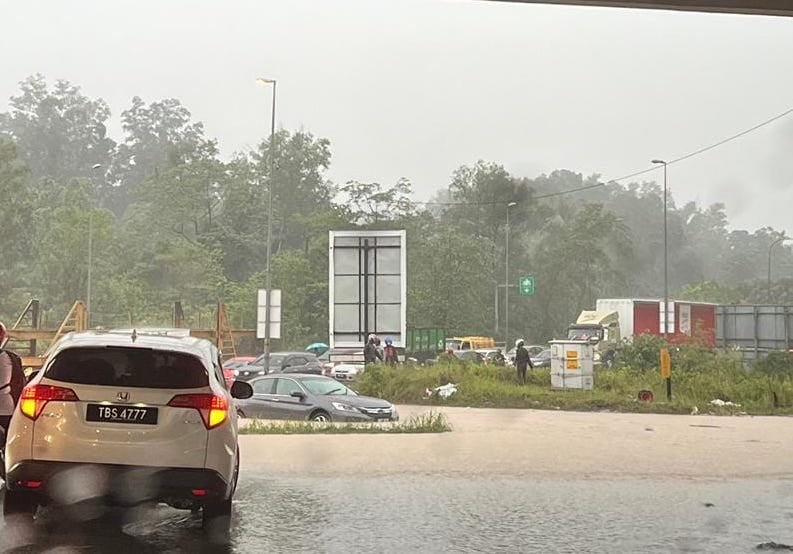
x=367 y=286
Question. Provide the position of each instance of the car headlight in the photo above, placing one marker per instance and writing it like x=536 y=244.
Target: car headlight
x=344 y=407
x=235 y=372
x=262 y=372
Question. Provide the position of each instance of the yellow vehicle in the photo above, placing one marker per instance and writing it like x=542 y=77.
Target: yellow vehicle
x=470 y=343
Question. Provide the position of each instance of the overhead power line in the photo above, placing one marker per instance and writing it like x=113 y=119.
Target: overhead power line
x=630 y=175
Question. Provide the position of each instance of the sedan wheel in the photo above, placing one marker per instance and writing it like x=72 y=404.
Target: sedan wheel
x=321 y=417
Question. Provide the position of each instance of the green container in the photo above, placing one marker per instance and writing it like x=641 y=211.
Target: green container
x=425 y=339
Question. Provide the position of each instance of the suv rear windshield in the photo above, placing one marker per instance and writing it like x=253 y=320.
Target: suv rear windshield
x=128 y=367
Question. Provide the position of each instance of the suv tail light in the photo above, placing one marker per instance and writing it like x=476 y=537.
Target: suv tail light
x=35 y=397
x=212 y=407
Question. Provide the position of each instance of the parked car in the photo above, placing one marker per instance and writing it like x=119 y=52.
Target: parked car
x=534 y=350
x=109 y=408
x=238 y=361
x=491 y=356
x=234 y=363
x=335 y=356
x=543 y=359
x=346 y=372
x=312 y=398
x=470 y=356
x=281 y=362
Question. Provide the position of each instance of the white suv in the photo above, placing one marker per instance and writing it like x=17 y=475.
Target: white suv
x=126 y=418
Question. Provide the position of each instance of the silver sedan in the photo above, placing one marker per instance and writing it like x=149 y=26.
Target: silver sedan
x=312 y=398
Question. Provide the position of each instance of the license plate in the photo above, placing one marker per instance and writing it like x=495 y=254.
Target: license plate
x=383 y=419
x=121 y=414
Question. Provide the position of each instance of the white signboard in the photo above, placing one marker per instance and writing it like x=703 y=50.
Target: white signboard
x=367 y=287
x=670 y=317
x=275 y=314
x=685 y=318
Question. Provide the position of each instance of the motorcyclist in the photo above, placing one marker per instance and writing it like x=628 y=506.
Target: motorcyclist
x=371 y=354
x=522 y=360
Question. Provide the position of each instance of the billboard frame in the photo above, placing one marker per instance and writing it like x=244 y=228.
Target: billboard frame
x=363 y=234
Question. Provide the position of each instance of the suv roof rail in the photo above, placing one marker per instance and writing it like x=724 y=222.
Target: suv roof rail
x=148 y=332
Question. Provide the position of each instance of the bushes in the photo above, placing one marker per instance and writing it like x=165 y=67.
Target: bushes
x=698 y=376
x=776 y=364
x=642 y=354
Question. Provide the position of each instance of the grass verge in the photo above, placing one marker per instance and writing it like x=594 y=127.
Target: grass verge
x=615 y=389
x=432 y=422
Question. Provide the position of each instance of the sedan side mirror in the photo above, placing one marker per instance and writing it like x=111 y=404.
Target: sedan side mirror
x=298 y=394
x=241 y=390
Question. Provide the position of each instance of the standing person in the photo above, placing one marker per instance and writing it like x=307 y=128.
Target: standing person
x=522 y=360
x=370 y=352
x=12 y=381
x=390 y=352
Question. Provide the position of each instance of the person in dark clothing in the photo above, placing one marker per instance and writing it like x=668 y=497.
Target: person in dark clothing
x=522 y=360
x=390 y=352
x=371 y=354
x=12 y=380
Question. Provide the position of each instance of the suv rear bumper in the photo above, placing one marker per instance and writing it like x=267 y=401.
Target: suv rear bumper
x=65 y=483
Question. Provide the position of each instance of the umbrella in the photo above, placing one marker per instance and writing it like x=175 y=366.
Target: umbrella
x=317 y=347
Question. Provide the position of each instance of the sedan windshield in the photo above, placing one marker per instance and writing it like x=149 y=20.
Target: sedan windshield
x=326 y=386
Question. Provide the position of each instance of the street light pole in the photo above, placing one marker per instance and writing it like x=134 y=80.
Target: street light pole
x=770 y=248
x=664 y=351
x=271 y=180
x=666 y=255
x=90 y=252
x=506 y=283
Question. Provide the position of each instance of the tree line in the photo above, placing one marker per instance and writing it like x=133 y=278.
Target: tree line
x=171 y=220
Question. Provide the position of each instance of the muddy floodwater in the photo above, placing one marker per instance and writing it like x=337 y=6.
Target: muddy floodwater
x=502 y=481
x=437 y=514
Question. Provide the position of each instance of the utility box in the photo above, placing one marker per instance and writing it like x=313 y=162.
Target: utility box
x=572 y=364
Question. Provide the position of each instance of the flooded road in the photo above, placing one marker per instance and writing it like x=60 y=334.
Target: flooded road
x=502 y=481
x=437 y=514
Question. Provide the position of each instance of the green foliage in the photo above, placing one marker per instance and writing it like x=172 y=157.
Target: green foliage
x=17 y=211
x=431 y=422
x=617 y=389
x=642 y=353
x=60 y=132
x=306 y=295
x=709 y=291
x=451 y=285
x=369 y=205
x=159 y=136
x=172 y=221
x=776 y=364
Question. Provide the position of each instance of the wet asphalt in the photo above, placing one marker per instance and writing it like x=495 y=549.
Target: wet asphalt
x=435 y=514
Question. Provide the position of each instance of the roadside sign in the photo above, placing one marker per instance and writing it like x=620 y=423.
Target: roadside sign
x=275 y=313
x=526 y=285
x=666 y=364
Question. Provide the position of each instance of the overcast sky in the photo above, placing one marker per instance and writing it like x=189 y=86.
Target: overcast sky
x=415 y=88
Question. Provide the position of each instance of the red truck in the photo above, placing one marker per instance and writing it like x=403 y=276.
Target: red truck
x=616 y=319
